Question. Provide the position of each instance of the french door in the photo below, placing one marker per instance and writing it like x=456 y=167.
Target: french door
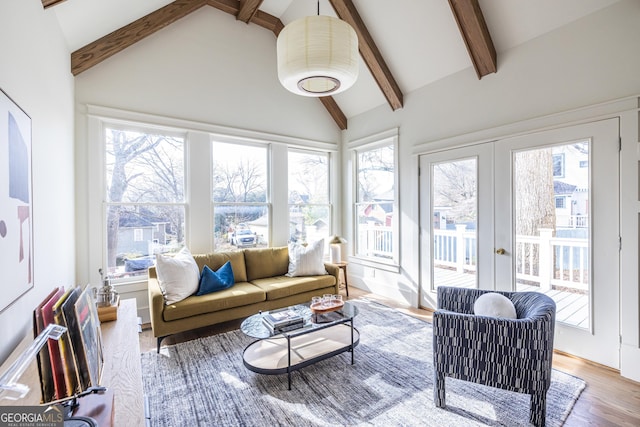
x=538 y=212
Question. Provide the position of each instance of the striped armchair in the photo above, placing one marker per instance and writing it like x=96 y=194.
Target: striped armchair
x=512 y=354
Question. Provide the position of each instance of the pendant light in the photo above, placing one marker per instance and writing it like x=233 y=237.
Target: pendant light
x=317 y=56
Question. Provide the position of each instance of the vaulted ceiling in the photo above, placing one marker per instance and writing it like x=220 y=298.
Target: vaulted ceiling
x=404 y=44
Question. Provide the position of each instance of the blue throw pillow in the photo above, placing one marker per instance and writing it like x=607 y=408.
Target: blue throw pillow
x=212 y=281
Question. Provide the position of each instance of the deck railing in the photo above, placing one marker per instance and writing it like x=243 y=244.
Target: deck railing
x=542 y=260
x=375 y=241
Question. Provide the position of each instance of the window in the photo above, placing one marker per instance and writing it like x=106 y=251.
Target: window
x=145 y=193
x=309 y=208
x=560 y=202
x=240 y=199
x=376 y=222
x=558 y=165
x=584 y=163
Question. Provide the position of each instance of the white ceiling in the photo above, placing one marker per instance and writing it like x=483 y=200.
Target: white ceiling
x=419 y=39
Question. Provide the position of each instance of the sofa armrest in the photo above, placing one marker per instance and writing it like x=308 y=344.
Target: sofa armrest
x=334 y=271
x=156 y=303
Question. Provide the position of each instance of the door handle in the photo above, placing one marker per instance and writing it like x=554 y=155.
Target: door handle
x=501 y=251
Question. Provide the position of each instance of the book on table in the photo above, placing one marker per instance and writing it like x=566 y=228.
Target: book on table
x=54 y=350
x=47 y=384
x=71 y=376
x=284 y=328
x=74 y=362
x=90 y=345
x=278 y=319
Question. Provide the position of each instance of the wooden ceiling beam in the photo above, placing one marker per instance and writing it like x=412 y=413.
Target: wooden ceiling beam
x=335 y=111
x=476 y=35
x=229 y=6
x=248 y=9
x=346 y=10
x=49 y=3
x=107 y=46
x=268 y=21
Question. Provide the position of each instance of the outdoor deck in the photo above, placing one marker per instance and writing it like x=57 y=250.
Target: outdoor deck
x=571 y=308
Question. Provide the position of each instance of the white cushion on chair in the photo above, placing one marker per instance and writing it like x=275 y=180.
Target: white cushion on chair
x=494 y=305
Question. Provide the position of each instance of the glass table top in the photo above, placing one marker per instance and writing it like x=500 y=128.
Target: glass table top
x=255 y=327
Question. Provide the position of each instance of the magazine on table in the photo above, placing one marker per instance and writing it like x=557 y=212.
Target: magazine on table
x=285 y=328
x=277 y=319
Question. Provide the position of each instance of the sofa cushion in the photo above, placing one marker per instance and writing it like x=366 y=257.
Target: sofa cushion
x=284 y=286
x=240 y=294
x=217 y=260
x=306 y=260
x=214 y=281
x=178 y=275
x=268 y=262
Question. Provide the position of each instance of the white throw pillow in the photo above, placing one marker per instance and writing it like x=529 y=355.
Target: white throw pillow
x=178 y=275
x=306 y=261
x=494 y=305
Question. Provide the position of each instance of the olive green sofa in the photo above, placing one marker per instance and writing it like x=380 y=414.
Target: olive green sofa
x=260 y=284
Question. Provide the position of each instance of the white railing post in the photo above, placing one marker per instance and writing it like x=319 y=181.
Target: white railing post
x=460 y=246
x=545 y=261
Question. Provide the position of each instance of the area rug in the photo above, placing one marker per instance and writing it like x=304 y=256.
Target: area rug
x=204 y=383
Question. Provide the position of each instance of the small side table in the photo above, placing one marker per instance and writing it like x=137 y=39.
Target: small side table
x=343 y=266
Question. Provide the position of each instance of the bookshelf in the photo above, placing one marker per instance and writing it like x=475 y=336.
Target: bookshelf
x=122 y=372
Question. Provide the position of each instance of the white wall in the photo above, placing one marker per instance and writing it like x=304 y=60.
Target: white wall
x=34 y=71
x=592 y=60
x=211 y=68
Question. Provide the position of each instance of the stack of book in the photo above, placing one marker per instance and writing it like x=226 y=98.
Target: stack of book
x=283 y=320
x=74 y=362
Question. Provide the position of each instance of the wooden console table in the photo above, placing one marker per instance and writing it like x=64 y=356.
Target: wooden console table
x=122 y=372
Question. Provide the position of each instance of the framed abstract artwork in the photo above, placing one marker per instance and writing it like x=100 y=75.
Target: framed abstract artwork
x=16 y=204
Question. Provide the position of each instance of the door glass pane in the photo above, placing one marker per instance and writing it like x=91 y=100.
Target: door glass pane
x=455 y=220
x=552 y=250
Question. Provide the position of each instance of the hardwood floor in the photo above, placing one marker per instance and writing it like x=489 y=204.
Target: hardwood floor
x=608 y=399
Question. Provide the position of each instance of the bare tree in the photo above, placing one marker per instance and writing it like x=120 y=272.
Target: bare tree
x=311 y=178
x=455 y=187
x=250 y=179
x=144 y=169
x=534 y=200
x=375 y=169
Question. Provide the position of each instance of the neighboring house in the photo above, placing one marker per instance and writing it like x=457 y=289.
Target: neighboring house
x=137 y=236
x=570 y=186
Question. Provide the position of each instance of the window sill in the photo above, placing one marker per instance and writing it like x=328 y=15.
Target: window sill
x=138 y=284
x=380 y=265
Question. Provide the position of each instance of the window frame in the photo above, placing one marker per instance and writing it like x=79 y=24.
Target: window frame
x=329 y=206
x=106 y=204
x=268 y=192
x=373 y=142
x=91 y=227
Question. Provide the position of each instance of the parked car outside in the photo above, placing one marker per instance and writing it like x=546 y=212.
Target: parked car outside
x=243 y=238
x=139 y=264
